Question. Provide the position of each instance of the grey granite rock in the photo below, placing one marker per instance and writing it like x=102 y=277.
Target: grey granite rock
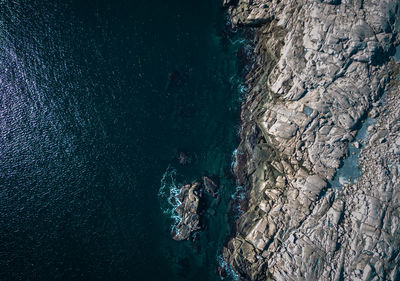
x=189 y=211
x=321 y=68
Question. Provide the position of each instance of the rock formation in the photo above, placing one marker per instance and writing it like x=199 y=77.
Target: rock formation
x=210 y=186
x=321 y=67
x=189 y=211
x=191 y=204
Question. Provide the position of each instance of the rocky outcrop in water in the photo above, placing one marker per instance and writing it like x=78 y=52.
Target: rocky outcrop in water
x=191 y=202
x=321 y=68
x=190 y=196
x=210 y=186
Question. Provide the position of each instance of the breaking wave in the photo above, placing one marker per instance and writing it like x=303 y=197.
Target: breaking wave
x=238 y=198
x=233 y=159
x=229 y=271
x=168 y=195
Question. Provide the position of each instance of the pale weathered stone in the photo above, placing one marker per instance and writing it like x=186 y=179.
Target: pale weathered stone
x=321 y=68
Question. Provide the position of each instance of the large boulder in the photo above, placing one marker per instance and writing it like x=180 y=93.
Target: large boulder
x=189 y=211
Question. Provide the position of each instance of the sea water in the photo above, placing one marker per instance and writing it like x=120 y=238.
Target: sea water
x=98 y=99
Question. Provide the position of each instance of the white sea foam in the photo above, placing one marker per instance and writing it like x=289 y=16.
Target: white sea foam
x=237 y=41
x=239 y=194
x=230 y=272
x=243 y=88
x=233 y=161
x=238 y=197
x=168 y=195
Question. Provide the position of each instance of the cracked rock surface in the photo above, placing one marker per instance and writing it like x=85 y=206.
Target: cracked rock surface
x=189 y=211
x=321 y=68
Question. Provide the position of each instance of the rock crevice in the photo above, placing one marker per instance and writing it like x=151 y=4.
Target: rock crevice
x=320 y=67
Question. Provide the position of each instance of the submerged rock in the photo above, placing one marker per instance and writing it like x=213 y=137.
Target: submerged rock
x=184 y=159
x=210 y=186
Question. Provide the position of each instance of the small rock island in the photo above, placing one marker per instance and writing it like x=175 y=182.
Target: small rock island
x=189 y=211
x=191 y=208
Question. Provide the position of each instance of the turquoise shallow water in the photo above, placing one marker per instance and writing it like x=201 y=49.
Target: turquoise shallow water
x=97 y=100
x=349 y=171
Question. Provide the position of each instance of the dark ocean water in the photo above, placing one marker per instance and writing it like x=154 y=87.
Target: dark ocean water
x=97 y=99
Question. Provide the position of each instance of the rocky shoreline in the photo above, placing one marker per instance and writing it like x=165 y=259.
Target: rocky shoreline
x=321 y=67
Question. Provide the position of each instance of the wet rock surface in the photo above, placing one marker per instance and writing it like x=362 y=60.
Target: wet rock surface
x=210 y=186
x=192 y=206
x=321 y=68
x=189 y=210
